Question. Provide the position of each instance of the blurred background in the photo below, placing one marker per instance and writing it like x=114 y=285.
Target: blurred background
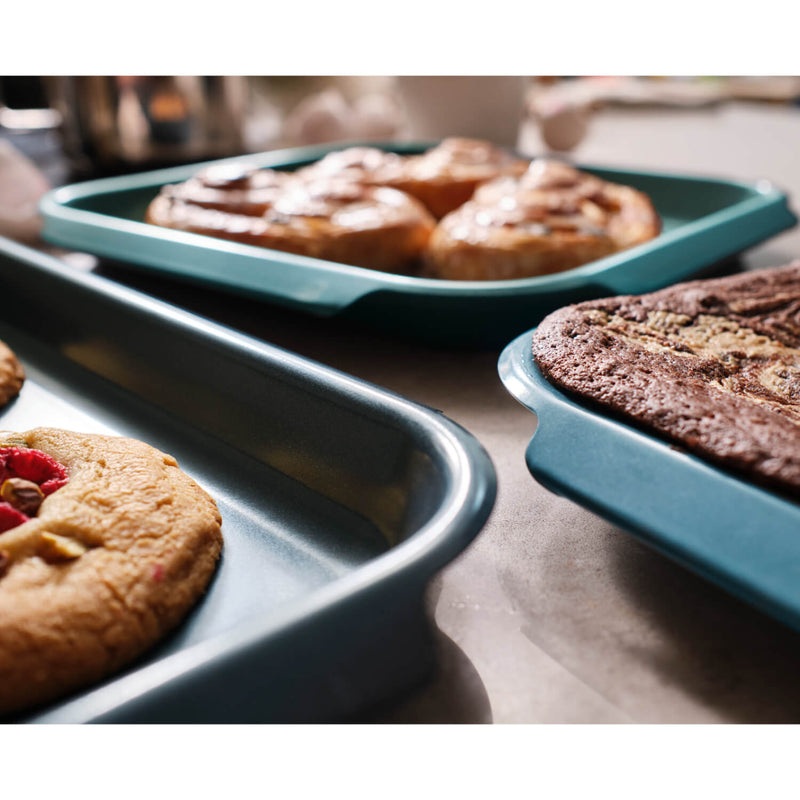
x=103 y=124
x=59 y=129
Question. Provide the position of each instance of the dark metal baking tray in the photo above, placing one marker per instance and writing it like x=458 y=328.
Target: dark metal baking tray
x=705 y=220
x=339 y=500
x=742 y=537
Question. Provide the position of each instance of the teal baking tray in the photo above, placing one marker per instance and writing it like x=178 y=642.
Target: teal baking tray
x=705 y=220
x=737 y=535
x=339 y=501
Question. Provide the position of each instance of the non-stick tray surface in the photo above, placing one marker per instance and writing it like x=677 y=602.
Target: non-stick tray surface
x=339 y=500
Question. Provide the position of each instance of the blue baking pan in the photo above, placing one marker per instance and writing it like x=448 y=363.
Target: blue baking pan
x=705 y=221
x=339 y=500
x=740 y=536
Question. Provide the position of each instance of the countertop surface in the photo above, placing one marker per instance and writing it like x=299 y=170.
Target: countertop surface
x=553 y=615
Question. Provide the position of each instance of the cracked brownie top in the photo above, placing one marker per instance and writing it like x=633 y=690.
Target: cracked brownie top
x=712 y=365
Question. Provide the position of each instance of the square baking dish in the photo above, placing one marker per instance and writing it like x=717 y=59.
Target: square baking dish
x=705 y=220
x=743 y=538
x=339 y=500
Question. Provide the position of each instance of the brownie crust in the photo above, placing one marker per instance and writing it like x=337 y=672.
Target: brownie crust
x=712 y=365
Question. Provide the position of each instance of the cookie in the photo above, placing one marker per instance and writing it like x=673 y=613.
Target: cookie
x=112 y=547
x=711 y=365
x=12 y=374
x=552 y=218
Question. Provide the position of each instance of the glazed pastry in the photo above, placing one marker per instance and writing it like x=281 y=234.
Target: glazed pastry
x=234 y=187
x=711 y=365
x=442 y=178
x=550 y=219
x=367 y=165
x=337 y=220
x=105 y=545
x=447 y=176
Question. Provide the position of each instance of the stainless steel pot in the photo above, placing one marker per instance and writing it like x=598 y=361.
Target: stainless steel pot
x=124 y=122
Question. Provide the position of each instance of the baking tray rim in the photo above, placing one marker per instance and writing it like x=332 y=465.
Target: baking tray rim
x=60 y=216
x=766 y=578
x=458 y=519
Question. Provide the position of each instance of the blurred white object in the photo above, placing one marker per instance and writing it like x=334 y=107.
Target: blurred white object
x=28 y=119
x=564 y=128
x=321 y=117
x=22 y=185
x=376 y=116
x=479 y=106
x=327 y=116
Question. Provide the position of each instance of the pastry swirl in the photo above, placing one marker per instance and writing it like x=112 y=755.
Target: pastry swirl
x=500 y=217
x=550 y=219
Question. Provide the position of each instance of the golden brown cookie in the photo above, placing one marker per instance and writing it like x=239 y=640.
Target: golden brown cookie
x=12 y=375
x=114 y=545
x=550 y=219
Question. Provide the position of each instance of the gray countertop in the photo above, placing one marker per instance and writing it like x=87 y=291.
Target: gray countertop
x=553 y=615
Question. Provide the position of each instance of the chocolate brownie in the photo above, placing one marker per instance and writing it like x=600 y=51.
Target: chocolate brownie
x=713 y=365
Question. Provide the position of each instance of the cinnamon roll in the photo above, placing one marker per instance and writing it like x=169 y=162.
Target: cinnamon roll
x=234 y=187
x=550 y=219
x=446 y=176
x=443 y=178
x=337 y=220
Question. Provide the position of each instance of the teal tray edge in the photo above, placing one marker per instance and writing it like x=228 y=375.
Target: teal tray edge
x=327 y=289
x=737 y=535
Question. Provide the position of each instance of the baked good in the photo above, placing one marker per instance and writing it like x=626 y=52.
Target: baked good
x=501 y=217
x=712 y=365
x=105 y=546
x=446 y=176
x=442 y=178
x=12 y=374
x=234 y=187
x=367 y=165
x=550 y=219
x=334 y=219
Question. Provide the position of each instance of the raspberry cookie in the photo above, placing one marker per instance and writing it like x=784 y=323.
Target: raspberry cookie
x=105 y=545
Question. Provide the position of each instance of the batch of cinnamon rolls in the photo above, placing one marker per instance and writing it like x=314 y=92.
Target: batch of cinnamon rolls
x=463 y=210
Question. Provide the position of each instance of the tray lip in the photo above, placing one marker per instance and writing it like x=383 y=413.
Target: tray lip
x=524 y=381
x=62 y=220
x=416 y=559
